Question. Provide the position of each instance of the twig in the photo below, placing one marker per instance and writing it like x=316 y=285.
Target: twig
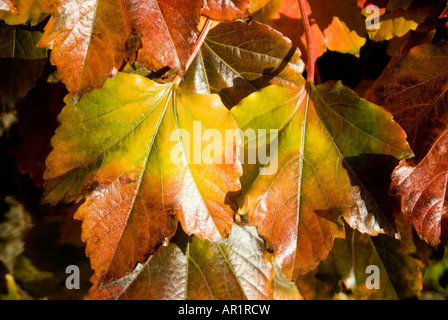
x=309 y=41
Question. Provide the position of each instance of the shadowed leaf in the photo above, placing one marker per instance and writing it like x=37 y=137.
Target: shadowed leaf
x=398 y=17
x=21 y=63
x=415 y=91
x=346 y=269
x=237 y=268
x=239 y=58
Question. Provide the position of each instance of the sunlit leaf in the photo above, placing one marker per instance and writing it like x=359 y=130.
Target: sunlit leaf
x=15 y=12
x=298 y=197
x=226 y=9
x=131 y=149
x=91 y=38
x=335 y=25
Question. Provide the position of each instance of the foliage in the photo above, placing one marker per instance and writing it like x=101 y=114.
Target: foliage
x=135 y=94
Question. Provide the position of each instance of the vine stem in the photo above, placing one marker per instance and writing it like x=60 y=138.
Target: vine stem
x=311 y=68
x=197 y=46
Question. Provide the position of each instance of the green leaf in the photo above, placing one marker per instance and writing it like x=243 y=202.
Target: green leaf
x=238 y=58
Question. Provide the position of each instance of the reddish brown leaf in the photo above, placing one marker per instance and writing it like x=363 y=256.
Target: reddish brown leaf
x=91 y=38
x=415 y=91
x=423 y=190
x=167 y=29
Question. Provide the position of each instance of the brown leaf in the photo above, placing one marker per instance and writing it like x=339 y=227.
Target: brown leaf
x=415 y=91
x=91 y=39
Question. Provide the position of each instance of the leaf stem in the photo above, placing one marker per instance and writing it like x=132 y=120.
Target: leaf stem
x=311 y=68
x=197 y=47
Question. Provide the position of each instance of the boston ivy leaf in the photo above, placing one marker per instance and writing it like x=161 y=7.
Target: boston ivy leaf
x=15 y=12
x=88 y=40
x=423 y=189
x=226 y=9
x=237 y=268
x=237 y=59
x=297 y=198
x=415 y=91
x=132 y=147
x=398 y=17
x=21 y=63
x=335 y=25
x=345 y=269
x=167 y=29
x=91 y=39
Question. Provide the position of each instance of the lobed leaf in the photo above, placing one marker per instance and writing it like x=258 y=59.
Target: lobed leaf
x=237 y=59
x=237 y=268
x=297 y=204
x=128 y=147
x=91 y=38
x=415 y=91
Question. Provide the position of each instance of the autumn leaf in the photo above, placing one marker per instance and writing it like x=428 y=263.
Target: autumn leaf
x=346 y=269
x=414 y=90
x=236 y=268
x=298 y=197
x=423 y=189
x=21 y=63
x=15 y=12
x=226 y=9
x=128 y=148
x=91 y=39
x=237 y=59
x=335 y=25
x=397 y=17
